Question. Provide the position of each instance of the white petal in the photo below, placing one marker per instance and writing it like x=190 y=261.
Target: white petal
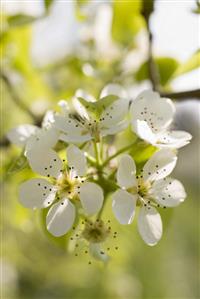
x=142 y=129
x=113 y=89
x=20 y=134
x=174 y=139
x=168 y=192
x=80 y=109
x=68 y=125
x=36 y=193
x=80 y=93
x=64 y=107
x=126 y=172
x=48 y=119
x=45 y=138
x=91 y=197
x=150 y=107
x=96 y=251
x=75 y=139
x=159 y=165
x=115 y=129
x=76 y=159
x=123 y=206
x=114 y=113
x=44 y=161
x=60 y=217
x=150 y=225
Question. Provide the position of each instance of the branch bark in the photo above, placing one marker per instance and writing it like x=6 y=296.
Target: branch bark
x=183 y=95
x=148 y=8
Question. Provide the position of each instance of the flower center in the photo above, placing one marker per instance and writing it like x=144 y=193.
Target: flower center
x=95 y=232
x=143 y=188
x=67 y=186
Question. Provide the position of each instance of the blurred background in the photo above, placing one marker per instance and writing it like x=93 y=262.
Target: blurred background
x=51 y=48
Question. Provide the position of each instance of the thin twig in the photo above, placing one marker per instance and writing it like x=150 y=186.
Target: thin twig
x=148 y=7
x=183 y=95
x=122 y=150
x=17 y=99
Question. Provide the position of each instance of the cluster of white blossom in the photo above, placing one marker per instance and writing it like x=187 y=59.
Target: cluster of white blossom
x=74 y=186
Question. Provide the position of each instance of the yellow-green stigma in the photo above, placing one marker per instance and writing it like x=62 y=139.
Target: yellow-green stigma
x=95 y=232
x=143 y=188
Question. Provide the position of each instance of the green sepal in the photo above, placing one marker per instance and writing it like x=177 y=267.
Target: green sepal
x=99 y=106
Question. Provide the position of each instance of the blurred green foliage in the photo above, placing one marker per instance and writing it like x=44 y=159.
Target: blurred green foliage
x=38 y=266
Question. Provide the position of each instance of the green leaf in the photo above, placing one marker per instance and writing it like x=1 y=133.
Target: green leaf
x=167 y=66
x=127 y=20
x=189 y=65
x=19 y=164
x=47 y=4
x=98 y=106
x=197 y=9
x=142 y=152
x=20 y=20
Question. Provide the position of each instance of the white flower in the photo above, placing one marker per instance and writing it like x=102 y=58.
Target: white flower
x=93 y=119
x=151 y=117
x=30 y=136
x=150 y=189
x=64 y=190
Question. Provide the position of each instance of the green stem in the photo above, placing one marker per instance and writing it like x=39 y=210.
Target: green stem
x=122 y=150
x=91 y=159
x=97 y=153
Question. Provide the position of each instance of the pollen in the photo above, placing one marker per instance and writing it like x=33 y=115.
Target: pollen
x=95 y=232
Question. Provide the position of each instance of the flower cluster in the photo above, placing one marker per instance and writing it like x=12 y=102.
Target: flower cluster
x=77 y=185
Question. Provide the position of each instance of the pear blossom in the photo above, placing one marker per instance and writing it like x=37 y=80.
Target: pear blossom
x=30 y=136
x=93 y=119
x=152 y=188
x=95 y=237
x=151 y=117
x=66 y=188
